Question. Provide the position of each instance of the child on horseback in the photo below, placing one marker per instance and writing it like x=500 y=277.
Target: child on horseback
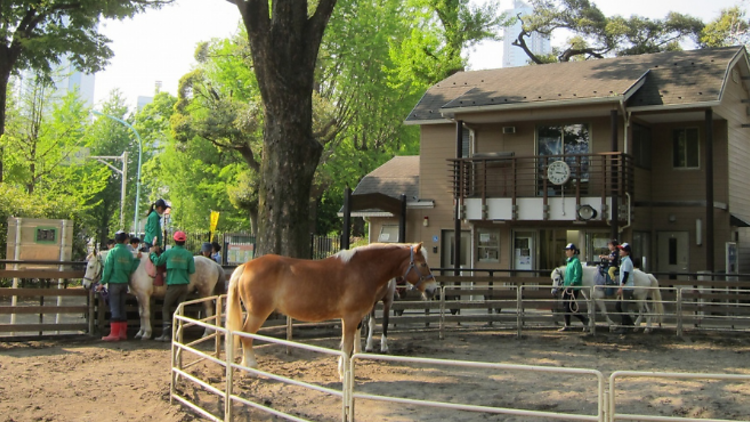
x=572 y=283
x=612 y=259
x=118 y=267
x=152 y=236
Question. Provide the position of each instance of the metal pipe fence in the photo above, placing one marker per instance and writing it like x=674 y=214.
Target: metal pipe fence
x=606 y=393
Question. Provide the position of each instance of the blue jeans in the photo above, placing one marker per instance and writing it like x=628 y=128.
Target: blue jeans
x=117 y=292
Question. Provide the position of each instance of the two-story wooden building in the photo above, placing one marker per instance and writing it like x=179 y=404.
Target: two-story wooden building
x=652 y=149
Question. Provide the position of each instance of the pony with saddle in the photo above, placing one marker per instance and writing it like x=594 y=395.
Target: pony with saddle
x=207 y=275
x=645 y=291
x=345 y=286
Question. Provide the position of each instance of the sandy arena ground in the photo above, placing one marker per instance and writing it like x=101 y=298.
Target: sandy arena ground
x=86 y=380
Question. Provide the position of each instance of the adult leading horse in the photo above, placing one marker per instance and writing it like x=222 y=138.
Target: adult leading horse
x=646 y=287
x=343 y=286
x=207 y=274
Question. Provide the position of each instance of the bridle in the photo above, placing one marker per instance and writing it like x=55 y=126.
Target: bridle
x=98 y=273
x=411 y=267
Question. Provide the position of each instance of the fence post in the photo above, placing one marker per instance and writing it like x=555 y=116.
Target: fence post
x=441 y=331
x=592 y=311
x=217 y=321
x=289 y=328
x=173 y=357
x=348 y=389
x=519 y=309
x=678 y=311
x=229 y=352
x=91 y=300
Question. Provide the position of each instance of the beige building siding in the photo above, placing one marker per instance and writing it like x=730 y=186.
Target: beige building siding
x=685 y=220
x=736 y=113
x=675 y=184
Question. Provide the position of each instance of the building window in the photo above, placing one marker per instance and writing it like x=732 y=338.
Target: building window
x=686 y=149
x=467 y=143
x=642 y=146
x=388 y=234
x=488 y=245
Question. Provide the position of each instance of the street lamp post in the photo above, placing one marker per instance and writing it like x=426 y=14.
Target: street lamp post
x=123 y=173
x=138 y=175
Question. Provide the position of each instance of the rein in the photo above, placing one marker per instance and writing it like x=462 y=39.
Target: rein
x=422 y=278
x=98 y=273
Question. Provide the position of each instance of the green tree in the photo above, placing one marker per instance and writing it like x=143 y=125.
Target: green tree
x=218 y=118
x=732 y=27
x=594 y=35
x=36 y=34
x=441 y=32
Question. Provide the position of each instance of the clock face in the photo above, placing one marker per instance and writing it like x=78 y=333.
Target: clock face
x=558 y=172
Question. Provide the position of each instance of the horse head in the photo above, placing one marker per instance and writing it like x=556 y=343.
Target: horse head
x=94 y=266
x=558 y=278
x=418 y=273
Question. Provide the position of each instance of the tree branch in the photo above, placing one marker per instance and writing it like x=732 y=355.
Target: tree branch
x=521 y=42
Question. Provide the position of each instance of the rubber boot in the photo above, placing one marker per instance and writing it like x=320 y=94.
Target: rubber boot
x=114 y=332
x=123 y=330
x=166 y=333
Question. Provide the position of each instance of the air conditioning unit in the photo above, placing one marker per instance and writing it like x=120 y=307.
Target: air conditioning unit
x=509 y=129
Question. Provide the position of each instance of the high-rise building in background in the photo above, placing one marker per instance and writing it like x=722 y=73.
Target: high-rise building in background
x=537 y=43
x=66 y=77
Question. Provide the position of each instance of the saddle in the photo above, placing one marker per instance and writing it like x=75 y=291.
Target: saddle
x=159 y=274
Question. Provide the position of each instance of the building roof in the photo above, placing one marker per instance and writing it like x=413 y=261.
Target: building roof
x=398 y=176
x=669 y=78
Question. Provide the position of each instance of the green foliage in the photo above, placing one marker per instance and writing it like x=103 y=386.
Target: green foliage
x=732 y=27
x=594 y=35
x=441 y=31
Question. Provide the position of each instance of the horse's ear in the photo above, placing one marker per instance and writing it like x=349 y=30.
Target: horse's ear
x=418 y=247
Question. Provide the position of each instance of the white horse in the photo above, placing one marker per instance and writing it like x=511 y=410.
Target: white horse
x=207 y=274
x=387 y=297
x=646 y=287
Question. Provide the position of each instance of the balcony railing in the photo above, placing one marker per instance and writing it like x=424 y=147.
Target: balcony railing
x=591 y=175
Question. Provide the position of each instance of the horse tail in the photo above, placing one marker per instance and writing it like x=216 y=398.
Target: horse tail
x=658 y=305
x=234 y=307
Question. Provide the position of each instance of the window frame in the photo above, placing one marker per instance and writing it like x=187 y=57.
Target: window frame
x=489 y=246
x=383 y=228
x=698 y=148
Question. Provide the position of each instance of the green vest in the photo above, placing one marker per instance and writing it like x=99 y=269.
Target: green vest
x=180 y=264
x=119 y=265
x=153 y=229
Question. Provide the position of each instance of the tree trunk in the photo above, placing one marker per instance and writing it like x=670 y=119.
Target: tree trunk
x=4 y=79
x=284 y=43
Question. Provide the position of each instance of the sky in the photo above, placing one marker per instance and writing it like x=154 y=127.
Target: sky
x=158 y=45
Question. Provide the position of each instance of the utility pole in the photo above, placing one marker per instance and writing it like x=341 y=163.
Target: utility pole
x=123 y=173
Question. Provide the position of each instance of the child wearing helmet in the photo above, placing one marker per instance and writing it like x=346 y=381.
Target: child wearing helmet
x=572 y=283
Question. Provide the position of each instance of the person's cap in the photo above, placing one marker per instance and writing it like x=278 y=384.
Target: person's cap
x=206 y=247
x=625 y=247
x=120 y=236
x=180 y=237
x=571 y=246
x=161 y=203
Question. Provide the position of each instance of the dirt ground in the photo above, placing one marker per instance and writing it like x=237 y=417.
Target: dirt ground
x=86 y=380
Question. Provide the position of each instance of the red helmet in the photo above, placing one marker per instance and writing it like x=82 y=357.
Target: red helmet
x=180 y=237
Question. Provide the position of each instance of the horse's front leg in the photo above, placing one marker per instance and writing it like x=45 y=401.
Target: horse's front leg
x=144 y=309
x=602 y=304
x=370 y=346
x=208 y=306
x=384 y=337
x=348 y=331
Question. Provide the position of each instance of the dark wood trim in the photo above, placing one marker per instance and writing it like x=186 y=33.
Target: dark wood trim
x=51 y=292
x=709 y=239
x=35 y=273
x=614 y=211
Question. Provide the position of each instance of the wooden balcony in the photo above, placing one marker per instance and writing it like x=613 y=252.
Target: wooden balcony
x=593 y=180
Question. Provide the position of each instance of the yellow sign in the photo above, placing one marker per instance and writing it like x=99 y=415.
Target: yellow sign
x=214 y=223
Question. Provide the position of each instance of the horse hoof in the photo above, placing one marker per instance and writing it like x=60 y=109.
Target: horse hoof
x=368 y=350
x=647 y=330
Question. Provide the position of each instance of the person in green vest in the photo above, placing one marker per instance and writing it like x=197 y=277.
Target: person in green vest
x=572 y=283
x=118 y=267
x=153 y=236
x=180 y=264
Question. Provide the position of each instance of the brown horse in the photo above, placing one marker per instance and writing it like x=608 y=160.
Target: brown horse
x=342 y=286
